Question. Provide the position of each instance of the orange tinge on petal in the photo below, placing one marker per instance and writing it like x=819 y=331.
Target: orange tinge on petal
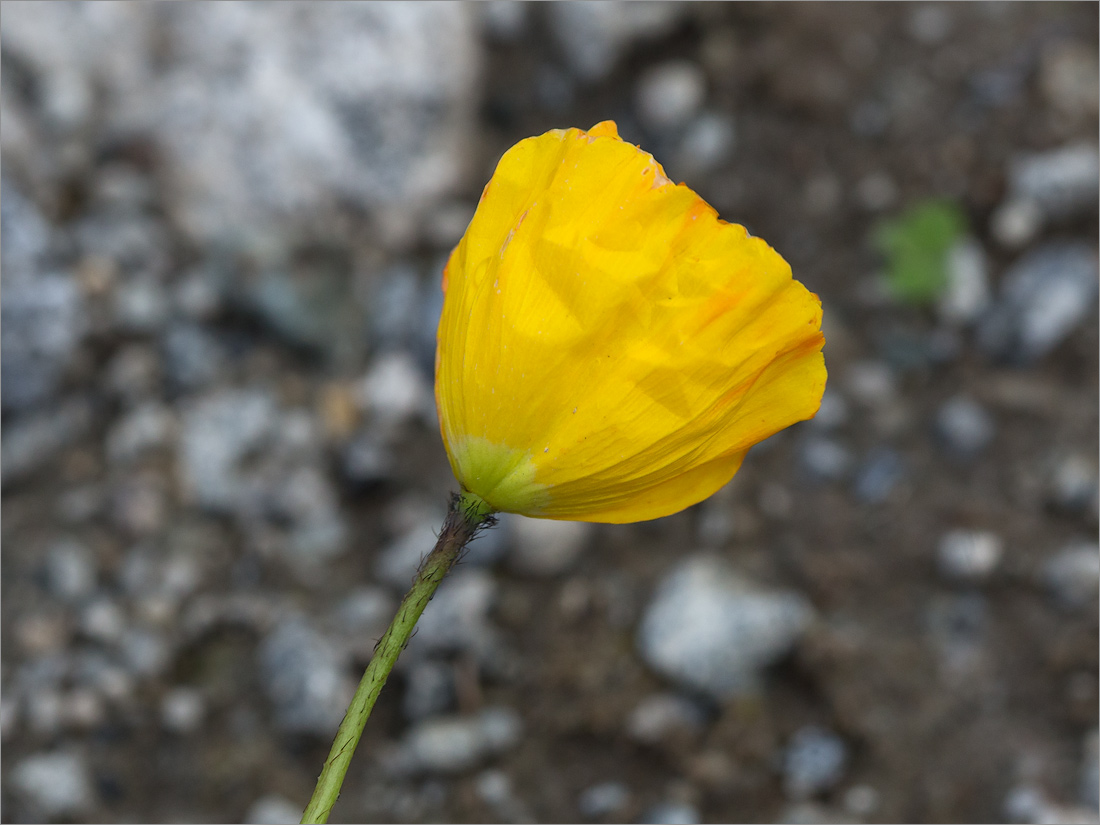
x=609 y=348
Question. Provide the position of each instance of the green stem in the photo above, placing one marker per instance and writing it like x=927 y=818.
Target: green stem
x=466 y=515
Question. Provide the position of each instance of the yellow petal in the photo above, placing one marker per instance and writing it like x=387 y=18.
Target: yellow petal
x=609 y=348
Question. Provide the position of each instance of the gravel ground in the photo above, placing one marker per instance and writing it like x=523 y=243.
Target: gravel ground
x=223 y=231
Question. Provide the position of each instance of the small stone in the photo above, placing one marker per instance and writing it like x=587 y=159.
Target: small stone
x=367 y=458
x=364 y=613
x=400 y=559
x=668 y=94
x=54 y=784
x=604 y=799
x=273 y=810
x=1044 y=297
x=876 y=191
x=544 y=547
x=964 y=427
x=969 y=555
x=706 y=144
x=494 y=787
x=193 y=357
x=303 y=674
x=218 y=432
x=671 y=813
x=33 y=440
x=833 y=412
x=394 y=388
x=70 y=570
x=878 y=475
x=593 y=35
x=1074 y=484
x=814 y=762
x=967 y=294
x=182 y=710
x=197 y=297
x=825 y=459
x=663 y=715
x=1016 y=223
x=429 y=690
x=457 y=743
x=141 y=306
x=1061 y=182
x=871 y=383
x=103 y=621
x=149 y=427
x=1068 y=78
x=861 y=801
x=711 y=630
x=1090 y=772
x=930 y=24
x=1073 y=575
x=146 y=652
x=456 y=619
x=504 y=20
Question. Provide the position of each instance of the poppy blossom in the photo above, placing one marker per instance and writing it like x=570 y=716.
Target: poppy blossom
x=610 y=349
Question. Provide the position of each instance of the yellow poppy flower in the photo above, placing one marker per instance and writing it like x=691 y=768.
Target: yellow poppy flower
x=609 y=348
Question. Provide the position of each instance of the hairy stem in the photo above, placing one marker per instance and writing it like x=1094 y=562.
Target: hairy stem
x=467 y=514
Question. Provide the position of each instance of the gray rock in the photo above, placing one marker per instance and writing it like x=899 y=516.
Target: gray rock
x=32 y=440
x=670 y=93
x=1016 y=223
x=603 y=799
x=303 y=674
x=400 y=559
x=193 y=357
x=218 y=433
x=141 y=306
x=70 y=570
x=379 y=118
x=365 y=613
x=148 y=427
x=1073 y=575
x=429 y=690
x=307 y=500
x=964 y=427
x=453 y=744
x=706 y=143
x=54 y=784
x=394 y=389
x=103 y=620
x=594 y=34
x=456 y=619
x=368 y=457
x=146 y=652
x=814 y=762
x=833 y=412
x=871 y=383
x=1090 y=772
x=967 y=294
x=1073 y=485
x=1068 y=77
x=969 y=555
x=711 y=630
x=544 y=547
x=825 y=459
x=662 y=715
x=1044 y=296
x=1061 y=182
x=42 y=315
x=880 y=472
x=395 y=306
x=182 y=710
x=672 y=813
x=273 y=810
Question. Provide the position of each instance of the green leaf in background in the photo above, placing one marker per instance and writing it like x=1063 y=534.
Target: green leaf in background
x=915 y=245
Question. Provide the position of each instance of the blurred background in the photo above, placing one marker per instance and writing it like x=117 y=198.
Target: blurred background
x=223 y=232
